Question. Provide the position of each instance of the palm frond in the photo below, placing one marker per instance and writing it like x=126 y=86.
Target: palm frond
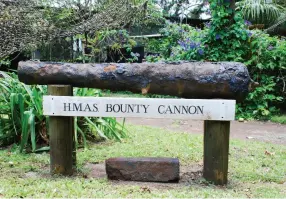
x=259 y=11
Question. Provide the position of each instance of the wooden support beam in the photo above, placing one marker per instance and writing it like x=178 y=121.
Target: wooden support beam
x=61 y=134
x=216 y=147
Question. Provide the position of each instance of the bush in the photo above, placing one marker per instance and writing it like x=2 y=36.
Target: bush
x=22 y=120
x=266 y=64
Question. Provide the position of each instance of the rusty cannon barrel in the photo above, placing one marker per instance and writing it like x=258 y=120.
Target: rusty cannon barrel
x=193 y=80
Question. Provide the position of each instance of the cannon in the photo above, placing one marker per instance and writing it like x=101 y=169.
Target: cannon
x=192 y=80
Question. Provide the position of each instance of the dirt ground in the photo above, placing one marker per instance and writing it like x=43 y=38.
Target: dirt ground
x=250 y=130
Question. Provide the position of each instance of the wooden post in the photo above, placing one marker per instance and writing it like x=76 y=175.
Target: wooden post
x=216 y=146
x=74 y=144
x=61 y=136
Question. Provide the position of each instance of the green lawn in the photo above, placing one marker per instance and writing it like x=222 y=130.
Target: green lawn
x=256 y=169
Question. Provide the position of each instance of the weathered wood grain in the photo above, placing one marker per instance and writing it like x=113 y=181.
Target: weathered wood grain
x=62 y=154
x=216 y=147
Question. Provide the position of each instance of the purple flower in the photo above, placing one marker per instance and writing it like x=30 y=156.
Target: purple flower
x=193 y=45
x=270 y=47
x=201 y=51
x=249 y=34
x=248 y=23
x=217 y=37
x=208 y=24
x=182 y=44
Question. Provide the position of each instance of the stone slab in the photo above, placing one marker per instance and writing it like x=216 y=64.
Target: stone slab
x=143 y=169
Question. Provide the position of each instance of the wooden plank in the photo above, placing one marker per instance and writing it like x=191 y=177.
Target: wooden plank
x=216 y=147
x=199 y=109
x=61 y=136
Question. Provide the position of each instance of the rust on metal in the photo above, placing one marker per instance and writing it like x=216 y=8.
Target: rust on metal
x=110 y=68
x=145 y=90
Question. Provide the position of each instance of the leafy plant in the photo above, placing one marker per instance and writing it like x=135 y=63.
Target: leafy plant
x=266 y=64
x=111 y=40
x=227 y=38
x=5 y=62
x=21 y=112
x=259 y=11
x=171 y=33
x=92 y=128
x=22 y=120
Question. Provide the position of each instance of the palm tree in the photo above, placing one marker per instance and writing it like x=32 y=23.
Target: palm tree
x=265 y=12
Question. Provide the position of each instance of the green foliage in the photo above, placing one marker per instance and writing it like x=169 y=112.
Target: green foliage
x=227 y=38
x=259 y=11
x=266 y=64
x=21 y=112
x=113 y=40
x=172 y=34
x=179 y=42
x=94 y=128
x=4 y=62
x=22 y=120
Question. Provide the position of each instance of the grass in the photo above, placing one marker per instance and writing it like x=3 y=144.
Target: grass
x=279 y=119
x=256 y=169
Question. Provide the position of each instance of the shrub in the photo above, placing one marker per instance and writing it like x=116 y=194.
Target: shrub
x=266 y=63
x=22 y=120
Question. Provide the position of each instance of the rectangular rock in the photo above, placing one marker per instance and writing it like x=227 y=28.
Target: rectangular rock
x=143 y=169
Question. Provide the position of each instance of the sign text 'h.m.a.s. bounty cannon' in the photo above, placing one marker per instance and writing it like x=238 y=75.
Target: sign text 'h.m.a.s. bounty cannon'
x=209 y=91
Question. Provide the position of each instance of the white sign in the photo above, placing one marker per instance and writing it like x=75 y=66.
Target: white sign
x=197 y=109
